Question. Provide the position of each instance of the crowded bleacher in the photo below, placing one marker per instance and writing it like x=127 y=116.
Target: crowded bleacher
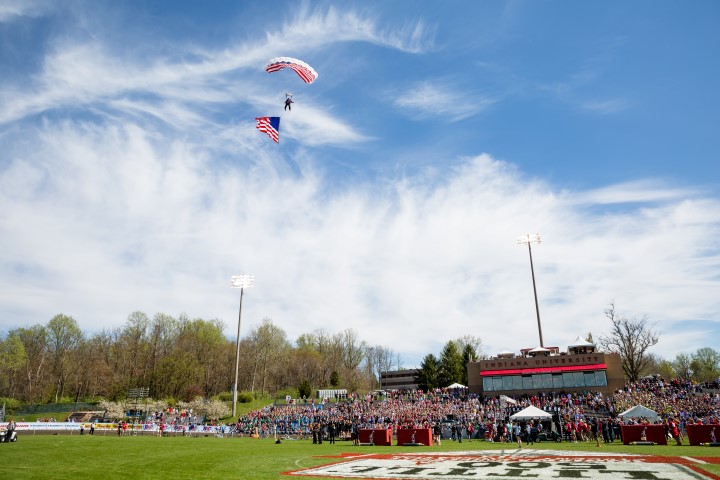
x=488 y=417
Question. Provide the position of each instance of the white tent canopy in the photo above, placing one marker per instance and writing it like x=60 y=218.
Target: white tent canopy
x=581 y=342
x=530 y=412
x=456 y=385
x=539 y=350
x=640 y=411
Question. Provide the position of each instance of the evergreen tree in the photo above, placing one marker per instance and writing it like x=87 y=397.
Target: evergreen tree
x=305 y=390
x=427 y=377
x=334 y=379
x=451 y=365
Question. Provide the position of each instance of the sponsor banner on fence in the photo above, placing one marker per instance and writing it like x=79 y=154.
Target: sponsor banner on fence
x=44 y=426
x=532 y=464
x=75 y=426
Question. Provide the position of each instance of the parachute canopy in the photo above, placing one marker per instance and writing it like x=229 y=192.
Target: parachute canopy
x=305 y=71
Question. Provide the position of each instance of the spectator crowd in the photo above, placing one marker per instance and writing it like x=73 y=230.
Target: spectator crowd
x=587 y=416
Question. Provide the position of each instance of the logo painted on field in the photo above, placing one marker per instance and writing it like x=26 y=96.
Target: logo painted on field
x=521 y=464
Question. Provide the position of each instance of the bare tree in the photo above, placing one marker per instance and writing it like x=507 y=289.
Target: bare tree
x=134 y=340
x=681 y=366
x=305 y=363
x=705 y=364
x=399 y=362
x=654 y=365
x=35 y=342
x=379 y=359
x=352 y=354
x=270 y=343
x=12 y=360
x=65 y=338
x=631 y=338
x=353 y=349
x=470 y=344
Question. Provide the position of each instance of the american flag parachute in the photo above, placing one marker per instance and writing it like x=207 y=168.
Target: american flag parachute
x=304 y=71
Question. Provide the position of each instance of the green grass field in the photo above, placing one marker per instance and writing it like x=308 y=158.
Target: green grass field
x=110 y=457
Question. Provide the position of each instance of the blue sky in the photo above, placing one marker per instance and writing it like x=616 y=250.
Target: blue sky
x=132 y=176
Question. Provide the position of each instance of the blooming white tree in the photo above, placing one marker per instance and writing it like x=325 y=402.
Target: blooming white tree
x=214 y=409
x=113 y=410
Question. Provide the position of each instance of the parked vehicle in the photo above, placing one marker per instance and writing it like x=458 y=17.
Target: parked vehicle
x=9 y=435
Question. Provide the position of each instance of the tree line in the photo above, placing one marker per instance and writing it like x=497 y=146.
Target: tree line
x=183 y=358
x=180 y=358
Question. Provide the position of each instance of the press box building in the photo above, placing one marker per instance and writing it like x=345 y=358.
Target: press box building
x=580 y=368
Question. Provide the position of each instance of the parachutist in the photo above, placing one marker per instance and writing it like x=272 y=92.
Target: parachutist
x=288 y=103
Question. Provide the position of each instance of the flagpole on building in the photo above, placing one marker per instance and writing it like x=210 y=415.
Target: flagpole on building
x=530 y=239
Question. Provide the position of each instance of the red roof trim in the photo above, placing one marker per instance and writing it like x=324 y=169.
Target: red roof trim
x=558 y=369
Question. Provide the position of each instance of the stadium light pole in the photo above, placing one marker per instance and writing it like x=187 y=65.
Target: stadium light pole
x=530 y=239
x=242 y=282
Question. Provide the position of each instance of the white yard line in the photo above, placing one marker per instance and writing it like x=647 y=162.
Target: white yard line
x=696 y=460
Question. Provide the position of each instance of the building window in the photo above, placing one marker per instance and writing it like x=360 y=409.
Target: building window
x=497 y=383
x=507 y=382
x=545 y=381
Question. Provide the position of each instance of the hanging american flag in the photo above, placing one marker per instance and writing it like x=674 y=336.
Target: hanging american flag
x=271 y=126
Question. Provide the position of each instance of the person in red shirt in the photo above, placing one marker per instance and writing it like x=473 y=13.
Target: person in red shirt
x=674 y=430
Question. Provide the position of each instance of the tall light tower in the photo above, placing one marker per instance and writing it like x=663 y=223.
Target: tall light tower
x=242 y=282
x=530 y=239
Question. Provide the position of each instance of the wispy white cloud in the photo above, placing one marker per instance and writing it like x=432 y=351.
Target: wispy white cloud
x=137 y=190
x=133 y=220
x=81 y=73
x=583 y=88
x=633 y=192
x=314 y=126
x=611 y=106
x=312 y=27
x=573 y=93
x=13 y=9
x=441 y=100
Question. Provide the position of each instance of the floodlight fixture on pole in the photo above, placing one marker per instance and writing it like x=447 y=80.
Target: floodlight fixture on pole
x=530 y=239
x=242 y=282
